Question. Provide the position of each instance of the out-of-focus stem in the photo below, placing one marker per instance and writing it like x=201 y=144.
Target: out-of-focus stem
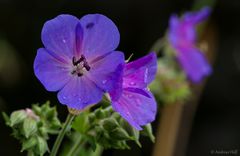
x=158 y=45
x=75 y=147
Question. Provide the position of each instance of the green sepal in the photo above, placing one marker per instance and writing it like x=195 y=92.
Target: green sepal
x=29 y=127
x=99 y=113
x=135 y=135
x=29 y=143
x=109 y=124
x=147 y=130
x=6 y=118
x=42 y=146
x=119 y=134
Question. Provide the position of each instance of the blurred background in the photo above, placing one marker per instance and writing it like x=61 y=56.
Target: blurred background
x=216 y=124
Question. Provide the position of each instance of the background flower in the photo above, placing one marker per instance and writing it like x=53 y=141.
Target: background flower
x=182 y=37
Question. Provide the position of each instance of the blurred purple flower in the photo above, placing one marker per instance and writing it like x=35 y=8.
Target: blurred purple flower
x=136 y=103
x=79 y=59
x=182 y=37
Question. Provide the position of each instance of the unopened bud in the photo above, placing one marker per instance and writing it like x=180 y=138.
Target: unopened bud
x=17 y=117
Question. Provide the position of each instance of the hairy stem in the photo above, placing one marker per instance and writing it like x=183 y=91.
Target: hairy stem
x=60 y=136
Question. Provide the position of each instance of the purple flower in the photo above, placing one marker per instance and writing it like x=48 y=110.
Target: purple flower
x=182 y=37
x=136 y=103
x=79 y=59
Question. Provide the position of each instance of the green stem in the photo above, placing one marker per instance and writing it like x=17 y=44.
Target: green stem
x=75 y=146
x=60 y=136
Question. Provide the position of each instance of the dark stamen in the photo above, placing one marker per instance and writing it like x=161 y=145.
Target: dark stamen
x=82 y=58
x=76 y=62
x=80 y=68
x=79 y=74
x=86 y=66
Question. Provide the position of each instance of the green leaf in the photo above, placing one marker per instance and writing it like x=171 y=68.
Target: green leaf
x=29 y=127
x=29 y=143
x=17 y=116
x=81 y=123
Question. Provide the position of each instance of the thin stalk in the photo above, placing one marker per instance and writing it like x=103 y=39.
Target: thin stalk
x=60 y=136
x=158 y=45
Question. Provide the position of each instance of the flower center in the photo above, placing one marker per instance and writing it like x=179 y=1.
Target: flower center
x=80 y=66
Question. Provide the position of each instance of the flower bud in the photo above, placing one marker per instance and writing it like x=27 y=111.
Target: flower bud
x=29 y=143
x=109 y=124
x=17 y=117
x=29 y=127
x=100 y=113
x=42 y=146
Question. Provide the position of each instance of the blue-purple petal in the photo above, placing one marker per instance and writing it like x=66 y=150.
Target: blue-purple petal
x=194 y=64
x=59 y=36
x=141 y=72
x=135 y=107
x=100 y=35
x=197 y=17
x=51 y=72
x=107 y=72
x=181 y=34
x=79 y=93
x=182 y=37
